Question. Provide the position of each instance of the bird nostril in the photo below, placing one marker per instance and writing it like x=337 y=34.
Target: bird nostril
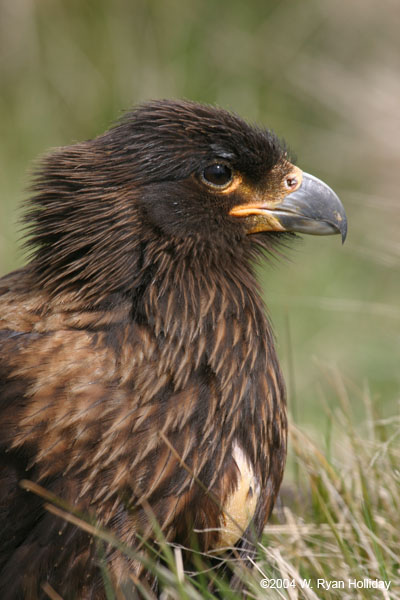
x=292 y=182
x=293 y=179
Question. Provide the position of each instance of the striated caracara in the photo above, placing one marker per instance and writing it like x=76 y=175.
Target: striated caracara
x=138 y=375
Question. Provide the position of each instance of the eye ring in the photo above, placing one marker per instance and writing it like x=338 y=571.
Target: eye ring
x=217 y=175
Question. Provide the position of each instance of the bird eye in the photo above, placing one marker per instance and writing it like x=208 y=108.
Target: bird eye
x=217 y=175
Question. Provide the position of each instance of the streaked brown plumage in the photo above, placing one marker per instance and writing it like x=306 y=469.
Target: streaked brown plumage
x=135 y=339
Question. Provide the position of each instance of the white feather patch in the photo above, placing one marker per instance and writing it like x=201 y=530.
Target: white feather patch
x=241 y=504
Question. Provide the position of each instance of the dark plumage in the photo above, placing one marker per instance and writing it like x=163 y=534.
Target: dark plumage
x=137 y=329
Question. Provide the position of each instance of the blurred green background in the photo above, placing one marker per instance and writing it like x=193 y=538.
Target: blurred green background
x=324 y=75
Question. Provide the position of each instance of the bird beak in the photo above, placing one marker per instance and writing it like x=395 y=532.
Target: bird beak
x=312 y=208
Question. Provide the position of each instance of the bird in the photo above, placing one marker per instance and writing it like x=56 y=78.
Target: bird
x=139 y=379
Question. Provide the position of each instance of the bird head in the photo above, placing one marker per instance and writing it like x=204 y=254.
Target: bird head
x=169 y=173
x=203 y=170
